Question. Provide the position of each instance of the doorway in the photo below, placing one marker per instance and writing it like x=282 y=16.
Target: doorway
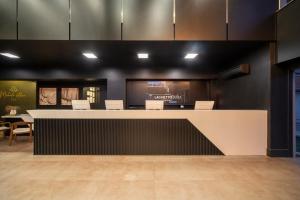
x=297 y=113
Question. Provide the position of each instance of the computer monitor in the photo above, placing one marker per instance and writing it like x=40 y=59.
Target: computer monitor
x=204 y=105
x=154 y=105
x=114 y=105
x=81 y=105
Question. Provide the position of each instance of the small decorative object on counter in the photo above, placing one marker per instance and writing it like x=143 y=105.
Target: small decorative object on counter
x=13 y=112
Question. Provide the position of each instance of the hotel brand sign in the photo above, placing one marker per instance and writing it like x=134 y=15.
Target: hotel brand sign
x=13 y=93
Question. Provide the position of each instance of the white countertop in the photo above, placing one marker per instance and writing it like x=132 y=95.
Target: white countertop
x=132 y=114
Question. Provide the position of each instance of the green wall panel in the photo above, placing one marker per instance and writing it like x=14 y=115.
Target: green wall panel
x=21 y=94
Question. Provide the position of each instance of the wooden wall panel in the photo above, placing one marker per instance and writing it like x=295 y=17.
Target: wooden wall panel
x=200 y=20
x=96 y=19
x=251 y=19
x=43 y=19
x=148 y=20
x=8 y=19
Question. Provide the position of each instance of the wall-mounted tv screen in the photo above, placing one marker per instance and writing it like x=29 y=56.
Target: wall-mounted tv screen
x=172 y=92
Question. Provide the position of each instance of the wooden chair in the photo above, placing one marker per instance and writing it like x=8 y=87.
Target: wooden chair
x=20 y=128
x=5 y=126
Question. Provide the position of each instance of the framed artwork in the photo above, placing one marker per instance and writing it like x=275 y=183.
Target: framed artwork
x=69 y=94
x=47 y=96
x=92 y=94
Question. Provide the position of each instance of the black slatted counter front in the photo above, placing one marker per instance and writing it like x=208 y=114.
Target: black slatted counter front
x=120 y=137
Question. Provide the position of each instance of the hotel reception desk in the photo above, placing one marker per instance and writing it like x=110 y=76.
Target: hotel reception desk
x=150 y=132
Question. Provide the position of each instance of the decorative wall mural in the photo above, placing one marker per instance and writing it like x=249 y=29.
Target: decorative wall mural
x=47 y=96
x=69 y=94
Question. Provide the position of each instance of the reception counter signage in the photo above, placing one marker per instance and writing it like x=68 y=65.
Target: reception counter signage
x=169 y=98
x=172 y=92
x=13 y=93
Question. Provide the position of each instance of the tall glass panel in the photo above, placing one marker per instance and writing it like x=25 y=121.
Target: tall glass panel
x=297 y=111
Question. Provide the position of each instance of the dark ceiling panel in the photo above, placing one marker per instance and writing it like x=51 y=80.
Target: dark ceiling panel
x=8 y=19
x=251 y=19
x=213 y=56
x=148 y=20
x=43 y=19
x=96 y=19
x=288 y=32
x=200 y=20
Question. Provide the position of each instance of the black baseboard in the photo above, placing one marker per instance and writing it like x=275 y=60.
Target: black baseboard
x=279 y=153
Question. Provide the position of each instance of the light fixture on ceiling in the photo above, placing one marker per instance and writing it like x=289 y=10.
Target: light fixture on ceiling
x=9 y=55
x=143 y=55
x=89 y=55
x=190 y=56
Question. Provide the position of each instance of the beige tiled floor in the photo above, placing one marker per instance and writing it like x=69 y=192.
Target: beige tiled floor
x=24 y=176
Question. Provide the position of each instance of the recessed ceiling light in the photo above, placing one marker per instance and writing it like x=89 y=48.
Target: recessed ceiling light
x=9 y=55
x=191 y=55
x=90 y=55
x=143 y=55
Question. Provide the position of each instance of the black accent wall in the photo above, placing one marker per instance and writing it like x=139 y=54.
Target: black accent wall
x=116 y=82
x=115 y=76
x=251 y=19
x=280 y=139
x=117 y=62
x=250 y=91
x=281 y=116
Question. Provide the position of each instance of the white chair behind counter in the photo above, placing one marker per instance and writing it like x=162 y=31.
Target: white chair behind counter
x=114 y=104
x=154 y=105
x=81 y=105
x=204 y=105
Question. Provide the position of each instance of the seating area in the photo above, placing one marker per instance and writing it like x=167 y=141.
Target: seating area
x=4 y=127
x=19 y=126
